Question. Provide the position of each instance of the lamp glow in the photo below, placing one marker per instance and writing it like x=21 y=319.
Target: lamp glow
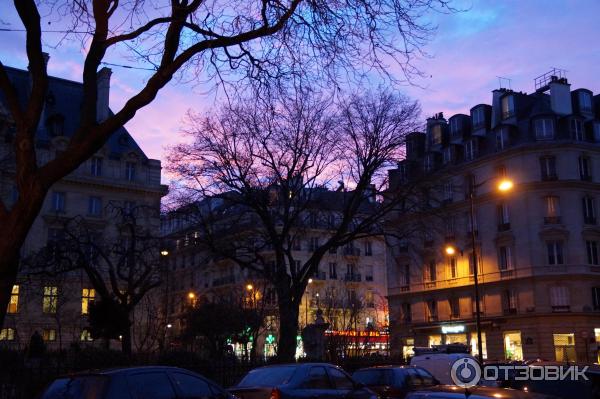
x=249 y=287
x=191 y=295
x=450 y=250
x=505 y=185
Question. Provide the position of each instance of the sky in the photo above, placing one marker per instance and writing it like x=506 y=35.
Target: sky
x=517 y=39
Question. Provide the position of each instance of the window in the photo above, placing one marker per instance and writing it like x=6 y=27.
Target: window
x=478 y=117
x=555 y=252
x=58 y=201
x=87 y=296
x=508 y=106
x=406 y=312
x=559 y=299
x=509 y=301
x=448 y=192
x=552 y=210
x=564 y=347
x=597 y=131
x=469 y=185
x=7 y=334
x=13 y=305
x=405 y=275
x=94 y=206
x=369 y=273
x=544 y=129
x=86 y=335
x=505 y=258
x=577 y=129
x=589 y=210
x=369 y=299
x=585 y=101
x=452 y=268
x=470 y=150
x=50 y=299
x=474 y=305
x=447 y=155
x=130 y=171
x=129 y=206
x=192 y=386
x=368 y=248
x=332 y=270
x=436 y=134
x=502 y=138
x=313 y=244
x=429 y=162
x=455 y=127
x=513 y=346
x=340 y=380
x=591 y=248
x=454 y=307
x=471 y=266
x=49 y=334
x=503 y=217
x=548 y=168
x=296 y=244
x=151 y=385
x=317 y=379
x=431 y=309
x=430 y=271
x=96 y=166
x=596 y=298
x=584 y=168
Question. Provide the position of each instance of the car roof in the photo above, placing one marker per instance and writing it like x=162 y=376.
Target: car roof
x=478 y=391
x=296 y=365
x=390 y=367
x=127 y=370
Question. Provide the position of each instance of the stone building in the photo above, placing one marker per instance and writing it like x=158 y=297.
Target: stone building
x=120 y=173
x=349 y=287
x=537 y=244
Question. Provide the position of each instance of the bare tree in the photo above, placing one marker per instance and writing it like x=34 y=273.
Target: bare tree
x=262 y=172
x=267 y=42
x=121 y=263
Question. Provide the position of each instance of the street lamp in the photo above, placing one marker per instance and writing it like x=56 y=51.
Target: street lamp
x=310 y=280
x=504 y=185
x=164 y=252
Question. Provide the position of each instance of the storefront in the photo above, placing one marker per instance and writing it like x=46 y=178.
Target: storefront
x=564 y=347
x=458 y=334
x=513 y=345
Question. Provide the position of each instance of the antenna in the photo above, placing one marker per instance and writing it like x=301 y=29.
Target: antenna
x=504 y=83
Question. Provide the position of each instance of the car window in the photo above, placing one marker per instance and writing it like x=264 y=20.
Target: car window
x=317 y=379
x=339 y=379
x=150 y=385
x=372 y=377
x=268 y=376
x=84 y=387
x=191 y=386
x=413 y=378
x=427 y=378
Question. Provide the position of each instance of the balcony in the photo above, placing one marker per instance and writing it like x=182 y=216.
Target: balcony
x=353 y=277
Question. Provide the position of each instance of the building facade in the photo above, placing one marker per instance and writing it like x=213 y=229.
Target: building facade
x=536 y=245
x=119 y=174
x=349 y=288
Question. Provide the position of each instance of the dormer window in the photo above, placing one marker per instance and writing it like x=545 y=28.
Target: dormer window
x=455 y=127
x=56 y=125
x=508 y=107
x=470 y=150
x=436 y=135
x=429 y=163
x=502 y=138
x=585 y=101
x=544 y=129
x=447 y=155
x=478 y=117
x=577 y=129
x=597 y=132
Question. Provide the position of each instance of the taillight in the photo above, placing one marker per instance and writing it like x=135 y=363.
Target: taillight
x=275 y=394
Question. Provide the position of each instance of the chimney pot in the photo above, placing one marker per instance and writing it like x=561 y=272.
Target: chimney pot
x=102 y=99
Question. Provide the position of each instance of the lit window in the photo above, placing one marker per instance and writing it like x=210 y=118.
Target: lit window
x=49 y=334
x=86 y=335
x=7 y=334
x=96 y=166
x=544 y=129
x=50 y=299
x=508 y=107
x=555 y=252
x=87 y=296
x=564 y=347
x=13 y=305
x=452 y=267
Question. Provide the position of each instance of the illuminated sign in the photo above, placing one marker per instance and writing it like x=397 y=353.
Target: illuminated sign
x=457 y=328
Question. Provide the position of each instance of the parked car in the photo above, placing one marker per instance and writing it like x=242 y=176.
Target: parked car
x=438 y=364
x=135 y=383
x=296 y=381
x=394 y=382
x=454 y=392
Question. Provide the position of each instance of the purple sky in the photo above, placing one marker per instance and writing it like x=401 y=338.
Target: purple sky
x=514 y=39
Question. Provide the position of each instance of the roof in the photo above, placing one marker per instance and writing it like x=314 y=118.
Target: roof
x=64 y=98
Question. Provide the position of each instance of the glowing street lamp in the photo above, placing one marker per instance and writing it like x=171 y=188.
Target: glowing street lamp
x=310 y=280
x=164 y=252
x=450 y=250
x=191 y=295
x=505 y=185
x=249 y=287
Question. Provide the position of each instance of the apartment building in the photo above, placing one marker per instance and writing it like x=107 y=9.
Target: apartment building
x=536 y=244
x=120 y=174
x=349 y=286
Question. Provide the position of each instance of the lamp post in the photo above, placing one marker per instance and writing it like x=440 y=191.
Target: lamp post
x=310 y=280
x=504 y=185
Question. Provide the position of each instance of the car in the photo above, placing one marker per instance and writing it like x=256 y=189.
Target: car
x=477 y=392
x=152 y=382
x=395 y=382
x=439 y=360
x=300 y=381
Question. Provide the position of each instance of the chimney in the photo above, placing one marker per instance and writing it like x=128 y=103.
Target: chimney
x=560 y=96
x=102 y=106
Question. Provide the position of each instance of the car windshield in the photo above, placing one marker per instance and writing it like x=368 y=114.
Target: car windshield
x=374 y=376
x=268 y=376
x=81 y=387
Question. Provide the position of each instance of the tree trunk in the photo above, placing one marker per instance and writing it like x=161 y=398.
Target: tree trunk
x=126 y=340
x=288 y=330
